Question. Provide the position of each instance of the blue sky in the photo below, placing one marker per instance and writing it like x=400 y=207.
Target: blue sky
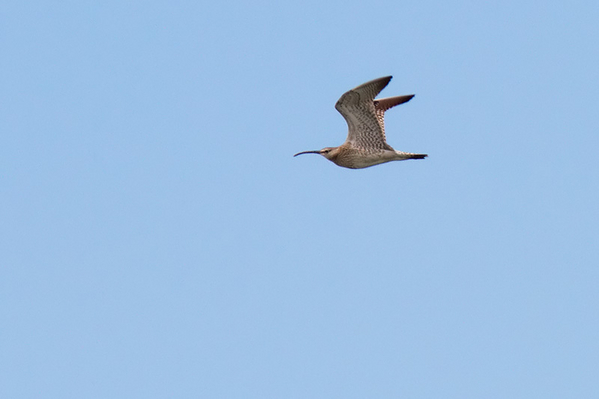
x=159 y=240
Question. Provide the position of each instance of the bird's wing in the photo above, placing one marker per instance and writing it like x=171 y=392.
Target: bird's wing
x=358 y=109
x=384 y=104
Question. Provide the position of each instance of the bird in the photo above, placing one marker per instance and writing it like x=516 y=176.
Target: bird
x=366 y=144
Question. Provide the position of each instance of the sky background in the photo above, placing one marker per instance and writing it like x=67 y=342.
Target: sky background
x=158 y=239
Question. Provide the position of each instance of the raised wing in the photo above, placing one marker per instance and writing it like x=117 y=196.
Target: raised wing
x=384 y=104
x=358 y=108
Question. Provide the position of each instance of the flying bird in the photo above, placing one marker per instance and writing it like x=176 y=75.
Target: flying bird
x=366 y=144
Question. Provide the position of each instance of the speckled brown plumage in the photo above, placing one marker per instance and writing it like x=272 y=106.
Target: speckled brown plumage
x=366 y=144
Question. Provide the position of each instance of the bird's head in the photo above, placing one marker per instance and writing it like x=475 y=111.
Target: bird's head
x=327 y=152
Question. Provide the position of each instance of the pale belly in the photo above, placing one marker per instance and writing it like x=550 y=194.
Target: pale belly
x=359 y=160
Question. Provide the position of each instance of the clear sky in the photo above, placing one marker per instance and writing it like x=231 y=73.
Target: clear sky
x=158 y=239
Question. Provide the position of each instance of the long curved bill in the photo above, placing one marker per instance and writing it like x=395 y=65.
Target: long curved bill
x=307 y=152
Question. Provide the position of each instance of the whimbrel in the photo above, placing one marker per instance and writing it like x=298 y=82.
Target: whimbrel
x=366 y=144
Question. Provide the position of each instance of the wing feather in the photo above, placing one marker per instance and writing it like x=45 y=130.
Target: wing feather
x=357 y=106
x=384 y=104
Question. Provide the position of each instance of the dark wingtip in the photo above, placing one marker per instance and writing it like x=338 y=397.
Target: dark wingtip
x=390 y=102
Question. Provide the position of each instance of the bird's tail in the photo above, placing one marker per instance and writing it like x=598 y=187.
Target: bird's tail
x=402 y=156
